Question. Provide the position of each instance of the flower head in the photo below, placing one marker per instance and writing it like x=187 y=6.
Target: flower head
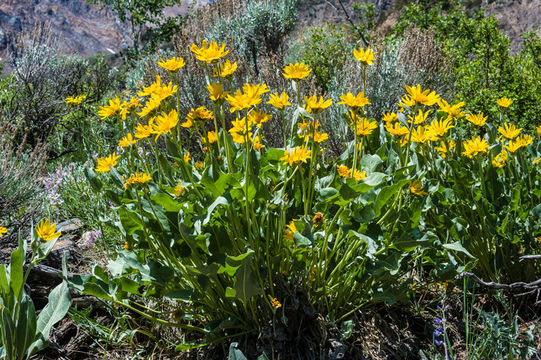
x=75 y=100
x=475 y=146
x=389 y=117
x=143 y=131
x=110 y=110
x=440 y=127
x=137 y=179
x=165 y=123
x=354 y=101
x=209 y=53
x=105 y=164
x=501 y=159
x=290 y=230
x=296 y=71
x=172 y=64
x=216 y=91
x=211 y=137
x=225 y=70
x=316 y=105
x=363 y=126
x=504 y=102
x=510 y=131
x=276 y=303
x=538 y=128
x=454 y=112
x=3 y=231
x=46 y=230
x=299 y=154
x=417 y=188
x=422 y=97
x=258 y=117
x=396 y=129
x=365 y=57
x=419 y=118
x=478 y=120
x=444 y=148
x=127 y=141
x=281 y=101
x=248 y=97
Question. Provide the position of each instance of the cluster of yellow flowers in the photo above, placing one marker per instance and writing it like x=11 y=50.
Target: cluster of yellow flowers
x=137 y=179
x=75 y=100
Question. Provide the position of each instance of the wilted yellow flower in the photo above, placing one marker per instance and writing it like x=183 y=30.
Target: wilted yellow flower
x=296 y=71
x=258 y=145
x=172 y=64
x=396 y=129
x=75 y=100
x=187 y=157
x=299 y=154
x=216 y=91
x=179 y=189
x=343 y=171
x=417 y=188
x=422 y=97
x=477 y=120
x=225 y=70
x=199 y=165
x=248 y=97
x=127 y=141
x=125 y=247
x=500 y=159
x=105 y=164
x=354 y=101
x=142 y=131
x=318 y=219
x=290 y=230
x=46 y=230
x=137 y=179
x=389 y=117
x=454 y=112
x=316 y=105
x=419 y=118
x=510 y=131
x=258 y=117
x=365 y=57
x=444 y=148
x=475 y=146
x=504 y=102
x=209 y=53
x=3 y=231
x=110 y=110
x=281 y=101
x=165 y=123
x=440 y=127
x=276 y=303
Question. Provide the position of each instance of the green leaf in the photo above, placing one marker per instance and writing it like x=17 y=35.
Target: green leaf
x=26 y=327
x=230 y=292
x=246 y=284
x=16 y=271
x=369 y=163
x=166 y=201
x=456 y=246
x=327 y=193
x=220 y=200
x=234 y=353
x=130 y=221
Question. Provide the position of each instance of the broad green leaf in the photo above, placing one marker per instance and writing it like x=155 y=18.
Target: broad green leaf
x=456 y=246
x=16 y=271
x=234 y=353
x=26 y=327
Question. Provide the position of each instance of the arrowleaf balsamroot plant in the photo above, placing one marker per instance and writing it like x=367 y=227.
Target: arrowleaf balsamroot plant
x=239 y=235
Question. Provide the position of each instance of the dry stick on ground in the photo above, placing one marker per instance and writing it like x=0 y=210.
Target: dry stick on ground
x=494 y=285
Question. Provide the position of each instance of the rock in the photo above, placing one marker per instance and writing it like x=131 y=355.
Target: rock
x=64 y=245
x=69 y=226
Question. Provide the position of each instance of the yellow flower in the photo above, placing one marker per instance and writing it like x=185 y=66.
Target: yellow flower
x=364 y=126
x=440 y=128
x=290 y=230
x=142 y=131
x=320 y=137
x=75 y=100
x=343 y=171
x=389 y=117
x=423 y=97
x=536 y=160
x=110 y=110
x=423 y=134
x=137 y=179
x=504 y=102
x=276 y=303
x=165 y=123
x=238 y=131
x=477 y=120
x=126 y=247
x=248 y=97
x=538 y=130
x=281 y=101
x=199 y=114
x=46 y=230
x=299 y=154
x=365 y=57
x=179 y=189
x=225 y=70
x=187 y=157
x=445 y=148
x=396 y=129
x=199 y=165
x=316 y=105
x=296 y=71
x=258 y=145
x=419 y=118
x=209 y=53
x=406 y=100
x=105 y=164
x=211 y=137
x=127 y=141
x=454 y=112
x=172 y=64
x=151 y=105
x=353 y=101
x=417 y=188
x=509 y=131
x=216 y=91
x=500 y=159
x=3 y=231
x=258 y=117
x=359 y=175
x=519 y=142
x=475 y=146
x=513 y=145
x=318 y=219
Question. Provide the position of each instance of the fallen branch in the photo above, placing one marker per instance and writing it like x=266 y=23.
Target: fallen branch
x=494 y=285
x=529 y=257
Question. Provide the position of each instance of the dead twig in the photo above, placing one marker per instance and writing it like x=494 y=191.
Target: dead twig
x=529 y=257
x=494 y=285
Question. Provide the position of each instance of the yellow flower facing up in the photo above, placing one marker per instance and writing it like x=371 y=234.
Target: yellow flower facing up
x=510 y=131
x=365 y=57
x=290 y=230
x=298 y=155
x=47 y=231
x=478 y=120
x=425 y=97
x=354 y=101
x=3 y=231
x=504 y=102
x=444 y=148
x=165 y=123
x=389 y=117
x=158 y=91
x=105 y=164
x=216 y=92
x=137 y=179
x=209 y=53
x=258 y=118
x=475 y=146
x=396 y=129
x=501 y=159
x=453 y=112
x=173 y=64
x=440 y=127
x=417 y=188
x=296 y=71
x=316 y=105
x=127 y=141
x=225 y=70
x=248 y=97
x=281 y=101
x=110 y=110
x=75 y=100
x=419 y=118
x=143 y=131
